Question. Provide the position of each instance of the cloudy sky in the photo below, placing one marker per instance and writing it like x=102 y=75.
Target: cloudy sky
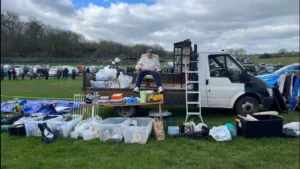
x=256 y=25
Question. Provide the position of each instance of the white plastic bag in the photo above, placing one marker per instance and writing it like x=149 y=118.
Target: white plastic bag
x=109 y=73
x=220 y=133
x=100 y=76
x=125 y=81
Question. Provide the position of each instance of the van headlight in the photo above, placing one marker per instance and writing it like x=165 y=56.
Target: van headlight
x=270 y=91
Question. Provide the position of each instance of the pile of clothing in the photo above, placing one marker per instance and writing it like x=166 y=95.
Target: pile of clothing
x=289 y=87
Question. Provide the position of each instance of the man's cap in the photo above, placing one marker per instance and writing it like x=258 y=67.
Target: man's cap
x=149 y=50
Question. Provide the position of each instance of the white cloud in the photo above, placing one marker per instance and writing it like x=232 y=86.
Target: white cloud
x=257 y=26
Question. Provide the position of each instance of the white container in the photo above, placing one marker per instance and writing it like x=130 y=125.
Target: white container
x=31 y=125
x=88 y=136
x=139 y=133
x=111 y=129
x=62 y=128
x=74 y=134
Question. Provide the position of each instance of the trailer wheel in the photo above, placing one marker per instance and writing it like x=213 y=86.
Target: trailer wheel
x=126 y=111
x=246 y=105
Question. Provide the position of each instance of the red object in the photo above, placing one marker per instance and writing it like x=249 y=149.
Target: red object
x=80 y=68
x=117 y=96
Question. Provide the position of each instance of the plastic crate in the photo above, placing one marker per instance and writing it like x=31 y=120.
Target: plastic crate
x=266 y=126
x=62 y=128
x=111 y=129
x=17 y=130
x=140 y=133
x=31 y=125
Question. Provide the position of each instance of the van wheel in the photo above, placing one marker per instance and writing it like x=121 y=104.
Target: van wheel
x=246 y=105
x=126 y=111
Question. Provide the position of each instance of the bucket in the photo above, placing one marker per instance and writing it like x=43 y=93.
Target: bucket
x=143 y=96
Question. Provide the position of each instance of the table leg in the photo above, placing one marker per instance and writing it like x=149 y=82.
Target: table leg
x=93 y=111
x=160 y=112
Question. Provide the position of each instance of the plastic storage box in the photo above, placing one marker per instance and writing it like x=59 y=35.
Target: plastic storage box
x=31 y=125
x=111 y=129
x=62 y=128
x=17 y=130
x=139 y=133
x=266 y=126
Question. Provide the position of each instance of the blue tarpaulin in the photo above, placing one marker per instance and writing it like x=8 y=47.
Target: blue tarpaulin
x=35 y=106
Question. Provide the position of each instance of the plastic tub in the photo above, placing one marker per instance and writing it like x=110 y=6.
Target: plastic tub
x=111 y=129
x=31 y=125
x=88 y=136
x=139 y=133
x=266 y=126
x=74 y=134
x=62 y=128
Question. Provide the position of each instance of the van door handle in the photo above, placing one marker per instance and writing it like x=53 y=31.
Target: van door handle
x=207 y=81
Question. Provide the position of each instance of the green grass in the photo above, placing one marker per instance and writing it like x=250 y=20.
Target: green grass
x=282 y=60
x=30 y=153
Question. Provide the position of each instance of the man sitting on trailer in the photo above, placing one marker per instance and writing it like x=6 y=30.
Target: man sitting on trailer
x=148 y=65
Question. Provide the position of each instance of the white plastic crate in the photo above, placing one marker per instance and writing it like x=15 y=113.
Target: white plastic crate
x=111 y=129
x=139 y=133
x=31 y=125
x=62 y=128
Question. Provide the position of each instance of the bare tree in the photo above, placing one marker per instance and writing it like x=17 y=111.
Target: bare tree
x=282 y=52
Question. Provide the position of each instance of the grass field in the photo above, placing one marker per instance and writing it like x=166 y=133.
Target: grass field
x=282 y=60
x=30 y=153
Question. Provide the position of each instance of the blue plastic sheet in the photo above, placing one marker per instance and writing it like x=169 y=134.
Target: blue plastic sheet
x=34 y=106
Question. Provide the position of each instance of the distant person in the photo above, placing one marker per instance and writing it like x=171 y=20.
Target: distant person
x=14 y=73
x=73 y=74
x=2 y=73
x=58 y=73
x=23 y=75
x=31 y=72
x=66 y=72
x=88 y=70
x=46 y=73
x=9 y=74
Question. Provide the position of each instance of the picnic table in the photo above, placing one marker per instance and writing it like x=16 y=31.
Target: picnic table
x=109 y=104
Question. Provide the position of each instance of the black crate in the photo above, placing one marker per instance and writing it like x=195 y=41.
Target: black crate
x=17 y=130
x=266 y=126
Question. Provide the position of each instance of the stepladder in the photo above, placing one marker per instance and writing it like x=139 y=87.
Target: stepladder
x=193 y=94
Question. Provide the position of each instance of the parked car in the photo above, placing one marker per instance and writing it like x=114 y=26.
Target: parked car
x=19 y=71
x=251 y=69
x=247 y=61
x=270 y=68
x=52 y=71
x=271 y=79
x=80 y=68
x=169 y=65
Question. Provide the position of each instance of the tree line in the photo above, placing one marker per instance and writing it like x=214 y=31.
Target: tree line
x=33 y=38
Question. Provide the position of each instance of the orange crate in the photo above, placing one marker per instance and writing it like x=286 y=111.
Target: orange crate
x=117 y=96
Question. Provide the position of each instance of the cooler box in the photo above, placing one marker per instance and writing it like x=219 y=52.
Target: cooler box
x=61 y=127
x=111 y=129
x=266 y=126
x=31 y=125
x=140 y=133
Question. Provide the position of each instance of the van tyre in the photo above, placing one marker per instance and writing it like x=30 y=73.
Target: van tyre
x=246 y=105
x=126 y=111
